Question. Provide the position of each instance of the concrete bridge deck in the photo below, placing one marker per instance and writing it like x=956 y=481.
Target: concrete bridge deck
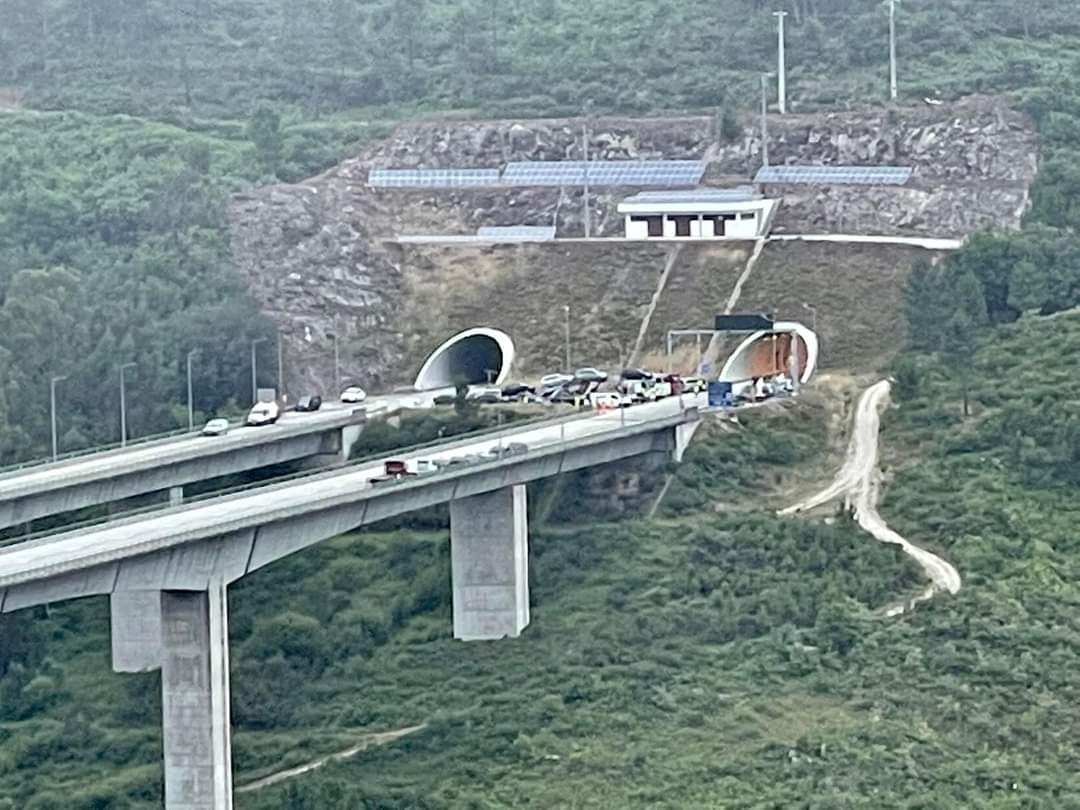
x=54 y=488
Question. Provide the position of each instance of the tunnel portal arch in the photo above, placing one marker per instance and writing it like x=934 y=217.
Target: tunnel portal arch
x=474 y=357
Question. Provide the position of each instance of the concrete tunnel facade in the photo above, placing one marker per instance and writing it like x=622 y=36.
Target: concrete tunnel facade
x=787 y=347
x=474 y=357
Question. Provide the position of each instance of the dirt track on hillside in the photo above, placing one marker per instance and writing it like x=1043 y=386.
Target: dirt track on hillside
x=859 y=482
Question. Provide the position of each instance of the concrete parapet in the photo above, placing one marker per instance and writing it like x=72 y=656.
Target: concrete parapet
x=489 y=560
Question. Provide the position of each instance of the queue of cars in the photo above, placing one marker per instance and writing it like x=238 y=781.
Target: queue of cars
x=588 y=387
x=268 y=413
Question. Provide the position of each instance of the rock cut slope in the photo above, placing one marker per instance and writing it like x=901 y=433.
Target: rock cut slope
x=322 y=256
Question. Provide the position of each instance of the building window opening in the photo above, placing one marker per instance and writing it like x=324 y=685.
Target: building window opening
x=746 y=216
x=656 y=226
x=682 y=225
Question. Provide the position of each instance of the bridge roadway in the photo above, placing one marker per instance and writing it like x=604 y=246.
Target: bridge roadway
x=37 y=491
x=167 y=572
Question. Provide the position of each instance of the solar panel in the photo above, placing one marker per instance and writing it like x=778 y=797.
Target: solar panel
x=604 y=173
x=517 y=233
x=835 y=175
x=432 y=178
x=712 y=195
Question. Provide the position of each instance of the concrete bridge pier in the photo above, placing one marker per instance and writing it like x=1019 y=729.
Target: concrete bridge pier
x=195 y=699
x=489 y=563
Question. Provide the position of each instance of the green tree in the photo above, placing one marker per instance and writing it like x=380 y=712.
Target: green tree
x=264 y=131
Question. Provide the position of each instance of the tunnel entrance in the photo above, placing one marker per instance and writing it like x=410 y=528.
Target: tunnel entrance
x=474 y=357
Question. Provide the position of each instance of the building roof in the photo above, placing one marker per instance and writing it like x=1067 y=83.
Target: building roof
x=705 y=195
x=834 y=175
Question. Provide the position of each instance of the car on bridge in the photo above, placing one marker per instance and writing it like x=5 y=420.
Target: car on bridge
x=354 y=393
x=264 y=413
x=309 y=403
x=216 y=427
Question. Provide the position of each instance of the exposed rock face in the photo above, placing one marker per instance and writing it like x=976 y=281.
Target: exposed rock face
x=320 y=258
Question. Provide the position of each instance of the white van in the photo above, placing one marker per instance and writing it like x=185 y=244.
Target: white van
x=264 y=413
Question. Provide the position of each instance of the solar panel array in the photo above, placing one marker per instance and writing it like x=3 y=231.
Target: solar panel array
x=736 y=194
x=834 y=175
x=517 y=233
x=604 y=173
x=432 y=178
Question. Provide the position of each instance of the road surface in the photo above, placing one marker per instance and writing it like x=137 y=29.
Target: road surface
x=859 y=483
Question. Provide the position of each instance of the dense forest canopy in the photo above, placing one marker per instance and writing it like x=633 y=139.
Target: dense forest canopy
x=217 y=57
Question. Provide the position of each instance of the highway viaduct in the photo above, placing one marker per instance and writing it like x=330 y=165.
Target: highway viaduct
x=53 y=488
x=180 y=560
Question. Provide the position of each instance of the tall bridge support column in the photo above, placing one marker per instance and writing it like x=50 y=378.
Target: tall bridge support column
x=195 y=699
x=135 y=622
x=489 y=563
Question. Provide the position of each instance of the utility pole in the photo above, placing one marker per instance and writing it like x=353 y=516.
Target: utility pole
x=190 y=399
x=765 y=118
x=254 y=371
x=123 y=405
x=585 y=196
x=566 y=310
x=781 y=67
x=892 y=49
x=52 y=411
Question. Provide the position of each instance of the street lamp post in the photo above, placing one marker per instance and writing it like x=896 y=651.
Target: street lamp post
x=337 y=361
x=280 y=368
x=52 y=411
x=123 y=405
x=813 y=316
x=781 y=67
x=254 y=371
x=190 y=399
x=566 y=310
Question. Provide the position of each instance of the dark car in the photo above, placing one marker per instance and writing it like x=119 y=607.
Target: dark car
x=309 y=403
x=636 y=374
x=517 y=390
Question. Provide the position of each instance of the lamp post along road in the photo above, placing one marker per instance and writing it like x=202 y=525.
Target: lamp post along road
x=280 y=368
x=566 y=310
x=254 y=371
x=585 y=194
x=190 y=400
x=52 y=411
x=123 y=405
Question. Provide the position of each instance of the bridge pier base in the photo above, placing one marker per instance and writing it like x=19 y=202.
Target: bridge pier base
x=195 y=699
x=135 y=622
x=489 y=563
x=176 y=496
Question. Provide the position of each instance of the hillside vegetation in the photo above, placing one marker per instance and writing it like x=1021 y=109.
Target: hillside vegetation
x=713 y=656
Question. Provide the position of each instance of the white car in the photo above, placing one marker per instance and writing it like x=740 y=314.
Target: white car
x=695 y=385
x=216 y=427
x=555 y=380
x=354 y=393
x=602 y=401
x=264 y=413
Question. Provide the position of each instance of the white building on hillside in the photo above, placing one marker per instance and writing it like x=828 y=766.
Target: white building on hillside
x=706 y=213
